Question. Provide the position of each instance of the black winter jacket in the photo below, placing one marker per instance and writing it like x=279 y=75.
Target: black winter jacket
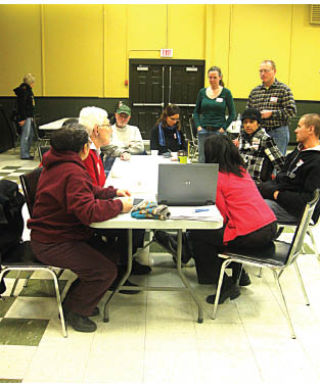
x=298 y=179
x=25 y=101
x=171 y=141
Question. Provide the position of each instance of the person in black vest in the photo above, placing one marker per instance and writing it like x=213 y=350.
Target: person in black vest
x=25 y=106
x=166 y=135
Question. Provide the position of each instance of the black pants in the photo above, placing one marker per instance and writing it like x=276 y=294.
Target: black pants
x=207 y=244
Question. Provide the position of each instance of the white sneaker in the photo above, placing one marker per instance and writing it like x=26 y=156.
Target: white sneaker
x=143 y=256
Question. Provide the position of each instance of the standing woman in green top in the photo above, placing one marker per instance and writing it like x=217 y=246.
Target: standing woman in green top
x=210 y=112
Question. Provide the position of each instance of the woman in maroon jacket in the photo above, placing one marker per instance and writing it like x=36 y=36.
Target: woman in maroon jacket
x=66 y=204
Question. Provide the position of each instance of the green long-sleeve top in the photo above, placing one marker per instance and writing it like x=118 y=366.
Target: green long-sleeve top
x=212 y=112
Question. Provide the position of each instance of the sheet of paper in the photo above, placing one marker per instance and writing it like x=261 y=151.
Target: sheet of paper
x=202 y=213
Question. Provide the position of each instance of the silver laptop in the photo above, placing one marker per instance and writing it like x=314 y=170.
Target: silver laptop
x=187 y=185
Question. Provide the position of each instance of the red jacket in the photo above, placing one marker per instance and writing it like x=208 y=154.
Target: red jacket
x=67 y=201
x=94 y=166
x=241 y=205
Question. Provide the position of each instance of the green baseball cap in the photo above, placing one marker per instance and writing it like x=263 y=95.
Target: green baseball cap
x=124 y=110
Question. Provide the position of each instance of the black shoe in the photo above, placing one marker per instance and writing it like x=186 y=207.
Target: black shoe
x=166 y=240
x=244 y=279
x=139 y=269
x=228 y=291
x=95 y=312
x=127 y=284
x=79 y=322
x=170 y=243
x=29 y=158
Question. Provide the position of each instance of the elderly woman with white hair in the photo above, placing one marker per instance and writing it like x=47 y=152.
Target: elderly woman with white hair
x=25 y=107
x=97 y=125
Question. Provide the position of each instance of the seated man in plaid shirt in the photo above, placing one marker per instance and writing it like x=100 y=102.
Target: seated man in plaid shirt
x=258 y=150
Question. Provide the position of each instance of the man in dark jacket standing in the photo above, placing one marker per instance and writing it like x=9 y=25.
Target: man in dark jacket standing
x=293 y=187
x=25 y=105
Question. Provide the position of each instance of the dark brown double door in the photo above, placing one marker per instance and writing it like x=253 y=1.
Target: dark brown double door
x=153 y=84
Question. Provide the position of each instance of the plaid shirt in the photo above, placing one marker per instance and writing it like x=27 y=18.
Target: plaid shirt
x=260 y=154
x=278 y=98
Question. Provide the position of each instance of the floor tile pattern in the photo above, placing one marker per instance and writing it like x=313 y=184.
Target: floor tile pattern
x=154 y=337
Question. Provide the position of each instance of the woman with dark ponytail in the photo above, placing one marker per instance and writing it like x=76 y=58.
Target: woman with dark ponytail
x=166 y=135
x=248 y=221
x=210 y=112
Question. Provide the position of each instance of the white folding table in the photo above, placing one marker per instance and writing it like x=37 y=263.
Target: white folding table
x=55 y=125
x=140 y=175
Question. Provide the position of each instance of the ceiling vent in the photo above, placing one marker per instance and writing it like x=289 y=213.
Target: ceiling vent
x=315 y=14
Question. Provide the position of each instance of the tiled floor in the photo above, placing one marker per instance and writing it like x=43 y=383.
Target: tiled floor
x=153 y=337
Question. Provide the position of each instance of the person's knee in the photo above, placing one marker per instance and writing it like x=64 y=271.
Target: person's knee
x=107 y=272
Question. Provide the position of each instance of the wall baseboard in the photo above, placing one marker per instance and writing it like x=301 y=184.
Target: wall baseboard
x=49 y=109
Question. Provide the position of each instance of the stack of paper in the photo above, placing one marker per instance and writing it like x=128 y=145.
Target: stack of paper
x=197 y=213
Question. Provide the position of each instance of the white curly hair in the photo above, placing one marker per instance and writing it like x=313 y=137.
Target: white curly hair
x=91 y=116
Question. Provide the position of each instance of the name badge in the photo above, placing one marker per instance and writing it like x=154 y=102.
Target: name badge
x=274 y=99
x=219 y=100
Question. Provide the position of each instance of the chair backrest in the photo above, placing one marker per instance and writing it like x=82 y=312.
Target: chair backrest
x=298 y=238
x=42 y=150
x=193 y=130
x=29 y=182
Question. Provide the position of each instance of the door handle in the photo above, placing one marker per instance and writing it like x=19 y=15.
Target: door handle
x=148 y=104
x=185 y=104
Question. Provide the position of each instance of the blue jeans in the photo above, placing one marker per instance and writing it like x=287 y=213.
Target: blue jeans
x=282 y=215
x=281 y=137
x=26 y=138
x=202 y=136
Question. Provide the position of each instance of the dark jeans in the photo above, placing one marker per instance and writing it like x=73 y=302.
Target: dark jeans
x=89 y=261
x=208 y=244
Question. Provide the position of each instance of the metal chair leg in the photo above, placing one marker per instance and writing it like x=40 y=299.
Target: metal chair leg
x=315 y=248
x=216 y=301
x=16 y=281
x=293 y=334
x=184 y=280
x=301 y=283
x=26 y=281
x=58 y=297
x=60 y=273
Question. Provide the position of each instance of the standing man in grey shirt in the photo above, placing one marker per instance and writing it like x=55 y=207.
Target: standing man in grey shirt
x=276 y=104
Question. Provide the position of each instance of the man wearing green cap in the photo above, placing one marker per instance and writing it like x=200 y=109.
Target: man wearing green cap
x=126 y=139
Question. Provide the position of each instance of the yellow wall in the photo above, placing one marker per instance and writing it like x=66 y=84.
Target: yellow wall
x=84 y=50
x=73 y=50
x=20 y=46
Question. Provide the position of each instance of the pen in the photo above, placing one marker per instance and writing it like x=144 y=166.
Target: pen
x=201 y=210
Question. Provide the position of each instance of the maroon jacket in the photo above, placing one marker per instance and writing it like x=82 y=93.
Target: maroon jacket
x=67 y=201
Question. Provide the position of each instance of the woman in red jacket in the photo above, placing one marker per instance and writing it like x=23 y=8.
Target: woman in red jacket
x=248 y=221
x=98 y=127
x=66 y=203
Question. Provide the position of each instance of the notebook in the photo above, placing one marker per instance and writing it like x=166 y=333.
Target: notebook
x=187 y=185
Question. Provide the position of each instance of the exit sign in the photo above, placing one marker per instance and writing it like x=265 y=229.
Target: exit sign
x=166 y=52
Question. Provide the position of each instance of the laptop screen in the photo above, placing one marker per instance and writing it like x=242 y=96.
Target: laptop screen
x=187 y=184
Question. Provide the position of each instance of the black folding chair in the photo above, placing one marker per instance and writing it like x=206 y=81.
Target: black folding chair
x=277 y=257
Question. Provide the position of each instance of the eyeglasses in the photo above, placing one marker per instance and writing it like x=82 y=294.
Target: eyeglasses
x=261 y=71
x=105 y=125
